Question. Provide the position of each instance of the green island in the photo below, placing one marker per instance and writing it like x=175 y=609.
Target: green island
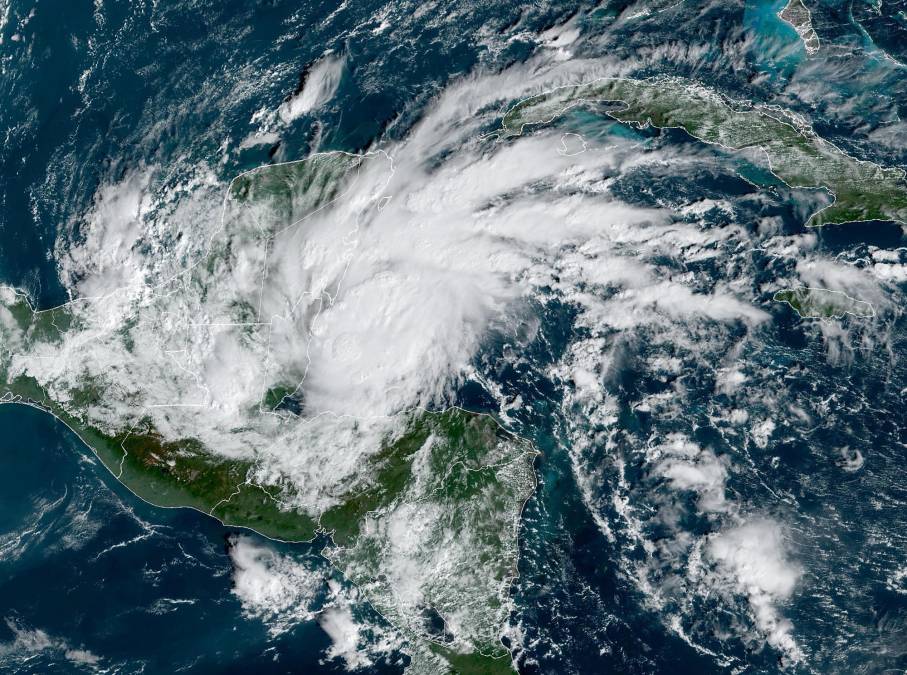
x=862 y=191
x=427 y=527
x=822 y=303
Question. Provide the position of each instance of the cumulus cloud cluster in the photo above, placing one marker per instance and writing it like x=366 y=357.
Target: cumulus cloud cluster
x=368 y=305
x=649 y=323
x=273 y=588
x=321 y=81
x=282 y=591
x=752 y=555
x=688 y=467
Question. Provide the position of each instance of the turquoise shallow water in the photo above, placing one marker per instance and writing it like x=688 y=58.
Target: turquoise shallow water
x=776 y=47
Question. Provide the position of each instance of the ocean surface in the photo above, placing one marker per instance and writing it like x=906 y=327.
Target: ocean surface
x=87 y=566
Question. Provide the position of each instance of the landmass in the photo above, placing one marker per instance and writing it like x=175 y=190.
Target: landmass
x=434 y=544
x=798 y=15
x=179 y=390
x=822 y=303
x=862 y=191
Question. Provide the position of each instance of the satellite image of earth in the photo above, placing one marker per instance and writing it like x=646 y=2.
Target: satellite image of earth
x=444 y=336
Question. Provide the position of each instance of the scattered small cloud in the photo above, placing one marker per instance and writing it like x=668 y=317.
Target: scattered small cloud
x=29 y=642
x=276 y=589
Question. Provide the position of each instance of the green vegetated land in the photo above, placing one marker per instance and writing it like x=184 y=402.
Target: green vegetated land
x=47 y=326
x=439 y=499
x=177 y=473
x=296 y=189
x=475 y=663
x=442 y=517
x=462 y=469
x=822 y=303
x=862 y=190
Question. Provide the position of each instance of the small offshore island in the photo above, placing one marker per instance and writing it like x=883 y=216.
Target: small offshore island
x=797 y=14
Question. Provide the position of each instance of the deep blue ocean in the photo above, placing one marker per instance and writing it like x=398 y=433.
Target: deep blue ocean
x=90 y=565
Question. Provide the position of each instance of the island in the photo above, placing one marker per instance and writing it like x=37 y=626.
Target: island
x=861 y=190
x=823 y=303
x=797 y=14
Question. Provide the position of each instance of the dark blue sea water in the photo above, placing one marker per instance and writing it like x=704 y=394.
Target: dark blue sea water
x=94 y=568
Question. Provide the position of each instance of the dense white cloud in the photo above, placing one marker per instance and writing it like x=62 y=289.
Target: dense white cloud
x=379 y=302
x=375 y=304
x=321 y=82
x=106 y=260
x=274 y=588
x=346 y=637
x=839 y=276
x=753 y=556
x=701 y=472
x=283 y=591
